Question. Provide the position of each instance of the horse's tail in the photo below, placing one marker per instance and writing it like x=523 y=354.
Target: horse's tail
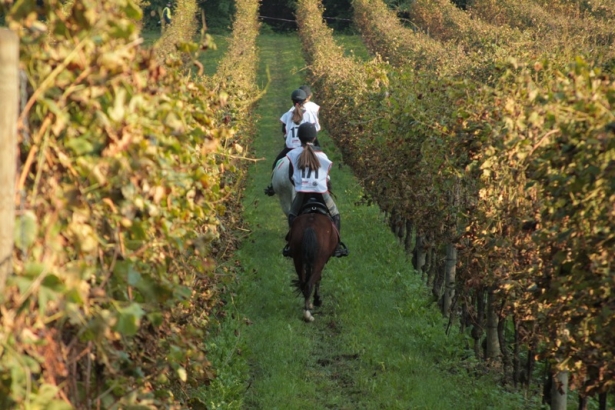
x=310 y=248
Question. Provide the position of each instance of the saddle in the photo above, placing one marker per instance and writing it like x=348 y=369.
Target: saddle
x=314 y=205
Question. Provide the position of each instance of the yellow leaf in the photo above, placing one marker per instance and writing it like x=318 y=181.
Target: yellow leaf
x=183 y=375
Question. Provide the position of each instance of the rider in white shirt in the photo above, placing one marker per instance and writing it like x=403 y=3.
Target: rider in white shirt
x=309 y=105
x=291 y=120
x=291 y=123
x=309 y=171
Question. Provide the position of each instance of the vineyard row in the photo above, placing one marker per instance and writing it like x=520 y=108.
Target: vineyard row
x=500 y=160
x=129 y=161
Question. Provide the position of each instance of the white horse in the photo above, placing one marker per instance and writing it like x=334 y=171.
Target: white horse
x=282 y=185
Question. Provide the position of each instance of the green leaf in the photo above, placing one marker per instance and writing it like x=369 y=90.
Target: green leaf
x=23 y=283
x=52 y=282
x=155 y=318
x=58 y=405
x=183 y=292
x=188 y=47
x=74 y=296
x=133 y=11
x=128 y=319
x=34 y=269
x=134 y=277
x=45 y=394
x=138 y=231
x=50 y=287
x=26 y=229
x=80 y=146
x=125 y=271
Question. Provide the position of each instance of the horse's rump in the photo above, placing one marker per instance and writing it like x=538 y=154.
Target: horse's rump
x=282 y=185
x=312 y=241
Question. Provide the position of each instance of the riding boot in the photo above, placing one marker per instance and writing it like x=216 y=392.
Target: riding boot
x=341 y=249
x=338 y=223
x=291 y=219
x=286 y=250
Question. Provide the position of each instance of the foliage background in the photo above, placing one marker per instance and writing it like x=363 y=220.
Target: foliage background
x=129 y=160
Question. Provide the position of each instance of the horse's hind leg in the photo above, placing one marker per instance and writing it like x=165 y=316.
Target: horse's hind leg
x=310 y=304
x=307 y=306
x=317 y=300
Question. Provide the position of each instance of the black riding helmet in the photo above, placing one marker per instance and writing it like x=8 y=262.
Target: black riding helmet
x=307 y=90
x=298 y=96
x=307 y=132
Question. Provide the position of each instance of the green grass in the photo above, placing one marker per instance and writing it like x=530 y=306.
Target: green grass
x=210 y=57
x=353 y=46
x=377 y=342
x=150 y=37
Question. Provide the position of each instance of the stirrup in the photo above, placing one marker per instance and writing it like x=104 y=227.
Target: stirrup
x=341 y=250
x=286 y=252
x=269 y=191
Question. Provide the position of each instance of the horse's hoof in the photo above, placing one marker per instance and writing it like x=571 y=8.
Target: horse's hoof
x=307 y=316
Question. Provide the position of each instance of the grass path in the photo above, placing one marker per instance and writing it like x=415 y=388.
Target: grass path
x=377 y=342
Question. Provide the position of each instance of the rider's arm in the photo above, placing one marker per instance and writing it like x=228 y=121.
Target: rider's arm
x=284 y=119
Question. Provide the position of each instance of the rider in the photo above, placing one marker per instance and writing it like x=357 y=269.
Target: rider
x=309 y=171
x=311 y=106
x=291 y=120
x=166 y=14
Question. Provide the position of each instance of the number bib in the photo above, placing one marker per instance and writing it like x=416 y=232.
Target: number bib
x=307 y=180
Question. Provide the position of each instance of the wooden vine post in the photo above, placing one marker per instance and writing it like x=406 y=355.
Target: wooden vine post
x=9 y=103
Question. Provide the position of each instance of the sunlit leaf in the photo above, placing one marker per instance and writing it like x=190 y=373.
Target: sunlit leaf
x=128 y=319
x=26 y=229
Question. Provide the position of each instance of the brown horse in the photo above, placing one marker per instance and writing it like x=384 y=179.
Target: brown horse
x=313 y=239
